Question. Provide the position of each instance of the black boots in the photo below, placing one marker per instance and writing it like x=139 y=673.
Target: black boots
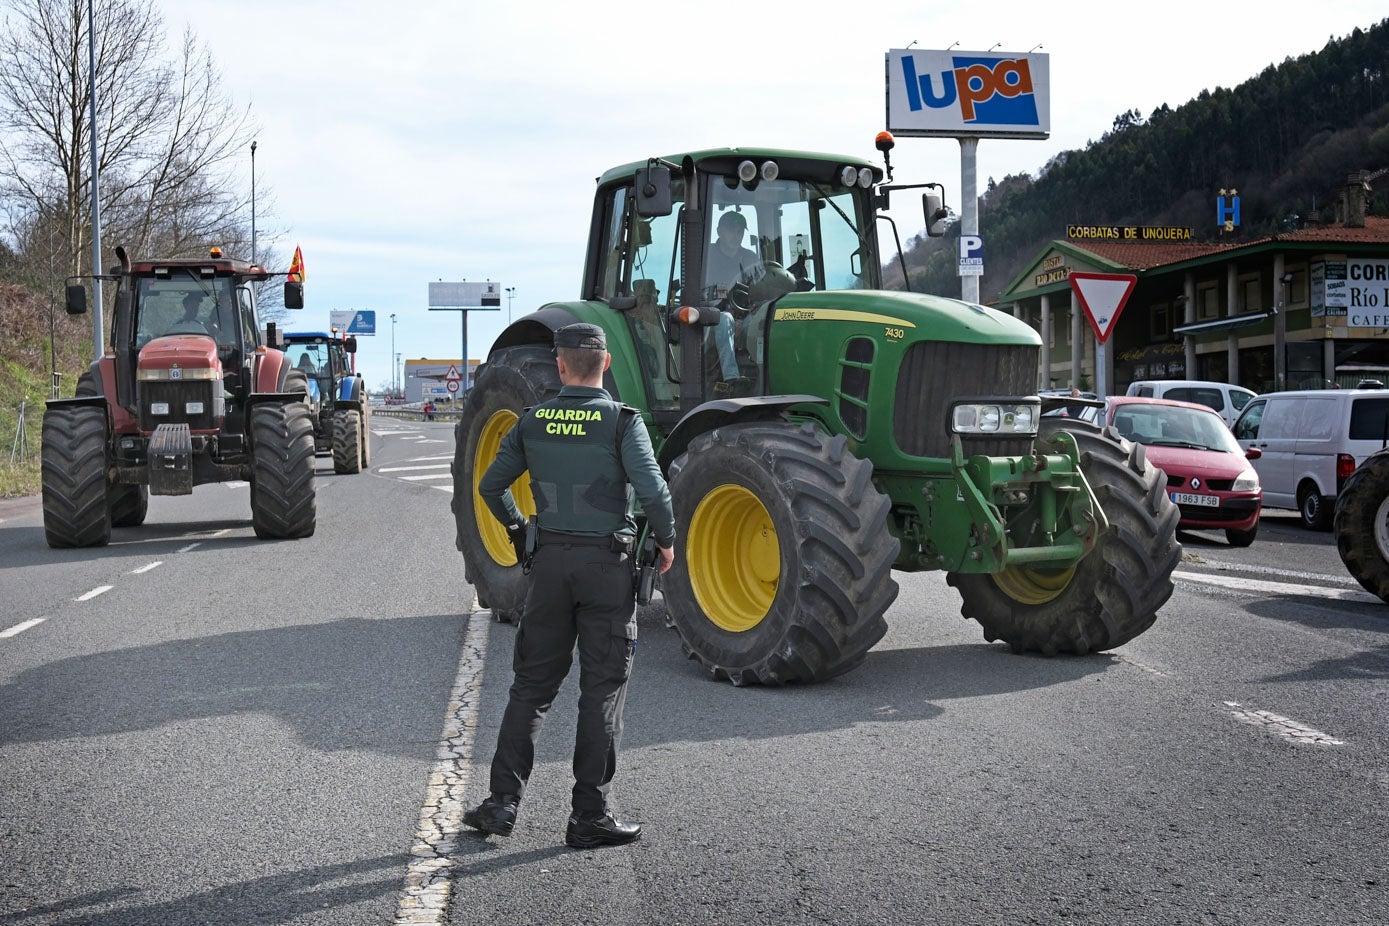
x=590 y=832
x=496 y=815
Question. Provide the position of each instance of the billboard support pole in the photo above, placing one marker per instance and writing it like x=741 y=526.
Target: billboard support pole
x=969 y=206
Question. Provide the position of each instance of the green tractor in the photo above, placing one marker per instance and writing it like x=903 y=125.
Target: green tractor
x=819 y=432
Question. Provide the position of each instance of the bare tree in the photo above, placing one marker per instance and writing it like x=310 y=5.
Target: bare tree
x=169 y=140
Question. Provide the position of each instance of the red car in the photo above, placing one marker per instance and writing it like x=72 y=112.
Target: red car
x=1208 y=474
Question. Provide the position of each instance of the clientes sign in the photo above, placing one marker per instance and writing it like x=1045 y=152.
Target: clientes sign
x=962 y=93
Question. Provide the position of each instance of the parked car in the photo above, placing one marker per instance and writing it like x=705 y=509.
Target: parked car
x=1209 y=475
x=1310 y=443
x=1226 y=399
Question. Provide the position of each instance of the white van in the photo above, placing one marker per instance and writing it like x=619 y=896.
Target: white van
x=1226 y=399
x=1309 y=442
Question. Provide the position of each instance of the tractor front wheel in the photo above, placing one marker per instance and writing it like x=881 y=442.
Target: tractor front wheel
x=1110 y=596
x=1361 y=524
x=283 y=495
x=347 y=441
x=129 y=504
x=75 y=510
x=784 y=561
x=511 y=381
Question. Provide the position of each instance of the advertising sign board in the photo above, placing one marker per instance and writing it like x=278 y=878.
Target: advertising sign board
x=968 y=94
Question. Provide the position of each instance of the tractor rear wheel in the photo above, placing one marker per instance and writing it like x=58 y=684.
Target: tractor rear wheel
x=1361 y=524
x=511 y=381
x=347 y=441
x=129 y=504
x=784 y=563
x=1110 y=596
x=283 y=496
x=74 y=457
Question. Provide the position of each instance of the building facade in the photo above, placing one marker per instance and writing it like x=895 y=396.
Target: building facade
x=1301 y=309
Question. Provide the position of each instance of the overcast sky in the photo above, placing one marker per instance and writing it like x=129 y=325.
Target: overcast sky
x=421 y=140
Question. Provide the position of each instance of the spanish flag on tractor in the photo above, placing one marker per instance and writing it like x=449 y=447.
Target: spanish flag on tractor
x=296 y=266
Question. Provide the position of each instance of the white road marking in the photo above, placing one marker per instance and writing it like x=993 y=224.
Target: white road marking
x=1285 y=588
x=1288 y=729
x=99 y=590
x=147 y=567
x=189 y=548
x=428 y=476
x=429 y=879
x=236 y=484
x=401 y=469
x=20 y=628
x=447 y=488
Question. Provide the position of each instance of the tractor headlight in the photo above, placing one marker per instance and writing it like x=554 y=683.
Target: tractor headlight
x=159 y=408
x=1247 y=481
x=1006 y=419
x=193 y=408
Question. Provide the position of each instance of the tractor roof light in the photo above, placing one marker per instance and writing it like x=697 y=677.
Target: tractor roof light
x=770 y=171
x=865 y=177
x=848 y=175
x=747 y=171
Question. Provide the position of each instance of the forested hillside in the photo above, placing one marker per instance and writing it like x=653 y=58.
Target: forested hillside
x=1284 y=139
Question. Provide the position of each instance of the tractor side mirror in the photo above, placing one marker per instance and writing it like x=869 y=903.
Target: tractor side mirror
x=935 y=213
x=76 y=299
x=350 y=345
x=653 y=191
x=294 y=294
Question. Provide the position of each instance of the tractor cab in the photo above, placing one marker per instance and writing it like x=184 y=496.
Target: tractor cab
x=748 y=227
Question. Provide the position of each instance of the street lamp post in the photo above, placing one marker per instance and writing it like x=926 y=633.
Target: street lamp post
x=393 y=393
x=253 y=201
x=510 y=295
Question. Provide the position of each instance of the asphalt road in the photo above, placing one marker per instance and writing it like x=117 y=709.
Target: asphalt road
x=284 y=732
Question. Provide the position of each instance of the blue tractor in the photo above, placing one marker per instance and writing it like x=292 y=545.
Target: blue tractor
x=337 y=396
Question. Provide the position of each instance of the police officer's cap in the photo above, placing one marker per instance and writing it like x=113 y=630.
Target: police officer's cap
x=582 y=336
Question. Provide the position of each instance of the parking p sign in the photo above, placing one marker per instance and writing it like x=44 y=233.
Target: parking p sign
x=971 y=256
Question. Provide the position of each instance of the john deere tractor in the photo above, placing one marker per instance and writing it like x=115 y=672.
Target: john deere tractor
x=337 y=396
x=188 y=393
x=853 y=432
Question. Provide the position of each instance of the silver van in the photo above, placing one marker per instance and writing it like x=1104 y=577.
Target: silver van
x=1310 y=441
x=1226 y=399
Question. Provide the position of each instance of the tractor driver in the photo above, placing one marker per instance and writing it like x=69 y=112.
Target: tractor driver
x=729 y=262
x=191 y=322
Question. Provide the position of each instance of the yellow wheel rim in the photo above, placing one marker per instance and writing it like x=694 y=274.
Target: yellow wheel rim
x=734 y=558
x=1033 y=586
x=494 y=538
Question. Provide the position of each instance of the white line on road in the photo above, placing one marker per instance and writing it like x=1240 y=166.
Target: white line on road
x=189 y=548
x=1288 y=729
x=427 y=476
x=147 y=567
x=429 y=879
x=1285 y=588
x=99 y=590
x=443 y=488
x=401 y=469
x=20 y=628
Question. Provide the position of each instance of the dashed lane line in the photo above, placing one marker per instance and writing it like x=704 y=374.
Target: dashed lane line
x=1283 y=588
x=404 y=469
x=20 y=628
x=147 y=567
x=99 y=590
x=1277 y=724
x=429 y=878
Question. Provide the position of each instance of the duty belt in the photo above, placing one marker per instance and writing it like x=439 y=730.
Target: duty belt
x=618 y=543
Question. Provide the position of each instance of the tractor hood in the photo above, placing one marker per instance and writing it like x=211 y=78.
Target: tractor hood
x=917 y=316
x=178 y=352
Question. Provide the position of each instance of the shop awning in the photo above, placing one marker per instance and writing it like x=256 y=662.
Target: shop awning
x=1217 y=325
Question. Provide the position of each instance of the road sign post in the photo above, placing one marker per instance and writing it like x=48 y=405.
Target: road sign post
x=1102 y=296
x=464 y=297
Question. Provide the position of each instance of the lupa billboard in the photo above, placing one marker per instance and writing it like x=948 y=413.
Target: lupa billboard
x=968 y=93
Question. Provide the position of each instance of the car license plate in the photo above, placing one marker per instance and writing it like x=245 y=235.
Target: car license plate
x=1204 y=501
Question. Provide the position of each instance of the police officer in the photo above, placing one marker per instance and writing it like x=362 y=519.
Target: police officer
x=586 y=454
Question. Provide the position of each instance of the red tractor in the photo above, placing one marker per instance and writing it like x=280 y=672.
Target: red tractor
x=189 y=392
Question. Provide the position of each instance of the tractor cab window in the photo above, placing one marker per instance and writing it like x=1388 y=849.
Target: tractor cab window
x=246 y=308
x=185 y=304
x=642 y=259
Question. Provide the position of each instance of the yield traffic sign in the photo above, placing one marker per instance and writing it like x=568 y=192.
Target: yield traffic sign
x=1102 y=296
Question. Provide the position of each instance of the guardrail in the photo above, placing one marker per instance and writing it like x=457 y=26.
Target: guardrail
x=413 y=413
